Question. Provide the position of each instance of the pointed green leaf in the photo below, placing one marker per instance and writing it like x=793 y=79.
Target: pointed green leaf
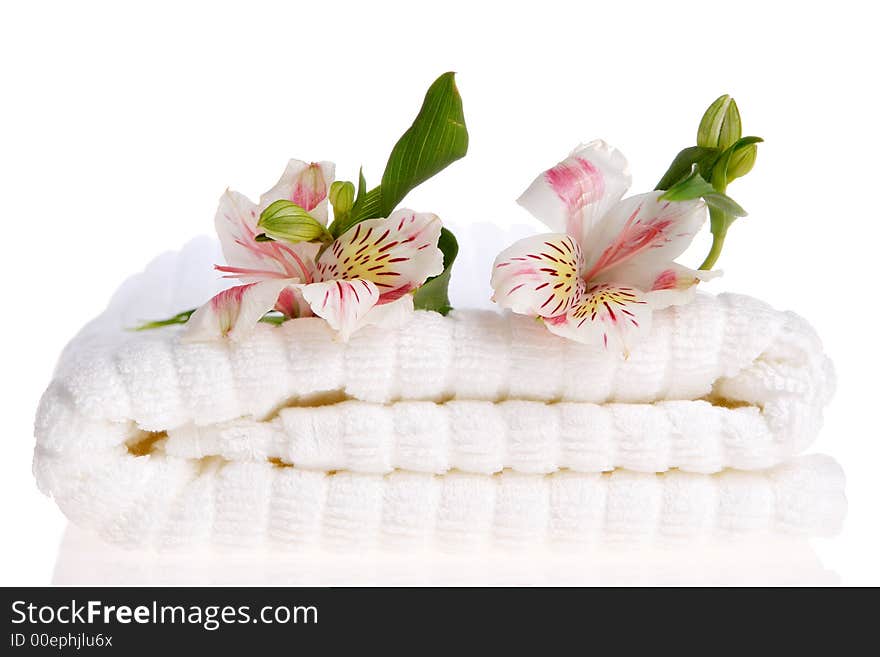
x=368 y=207
x=272 y=317
x=437 y=138
x=695 y=186
x=434 y=294
x=725 y=204
x=362 y=185
x=683 y=163
x=179 y=318
x=691 y=187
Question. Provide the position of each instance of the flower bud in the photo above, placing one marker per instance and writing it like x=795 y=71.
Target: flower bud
x=285 y=220
x=741 y=162
x=310 y=187
x=720 y=126
x=341 y=197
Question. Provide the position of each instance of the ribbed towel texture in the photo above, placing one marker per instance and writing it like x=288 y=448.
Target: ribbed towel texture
x=475 y=429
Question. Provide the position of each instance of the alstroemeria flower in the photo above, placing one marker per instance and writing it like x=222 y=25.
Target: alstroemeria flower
x=610 y=263
x=363 y=277
x=237 y=217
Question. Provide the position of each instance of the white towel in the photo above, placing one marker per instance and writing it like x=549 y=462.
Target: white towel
x=722 y=382
x=739 y=385
x=169 y=502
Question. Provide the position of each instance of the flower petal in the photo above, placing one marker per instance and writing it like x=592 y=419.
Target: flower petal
x=249 y=260
x=609 y=316
x=392 y=314
x=397 y=254
x=344 y=304
x=641 y=231
x=672 y=283
x=291 y=303
x=574 y=195
x=304 y=184
x=539 y=275
x=233 y=312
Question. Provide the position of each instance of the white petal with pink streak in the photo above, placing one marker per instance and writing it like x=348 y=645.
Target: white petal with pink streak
x=249 y=260
x=574 y=195
x=306 y=184
x=343 y=304
x=396 y=254
x=291 y=303
x=667 y=284
x=538 y=275
x=641 y=231
x=233 y=312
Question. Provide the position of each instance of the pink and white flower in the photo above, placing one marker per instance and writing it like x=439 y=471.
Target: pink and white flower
x=365 y=276
x=609 y=264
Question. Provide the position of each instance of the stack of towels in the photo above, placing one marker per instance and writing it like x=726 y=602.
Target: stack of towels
x=474 y=430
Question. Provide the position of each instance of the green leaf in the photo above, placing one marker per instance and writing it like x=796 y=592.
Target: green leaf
x=272 y=317
x=691 y=187
x=179 y=318
x=434 y=294
x=362 y=185
x=684 y=162
x=721 y=124
x=368 y=207
x=725 y=204
x=437 y=138
x=285 y=220
x=695 y=186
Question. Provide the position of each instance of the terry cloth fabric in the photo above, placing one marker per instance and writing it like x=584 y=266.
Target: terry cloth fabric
x=151 y=440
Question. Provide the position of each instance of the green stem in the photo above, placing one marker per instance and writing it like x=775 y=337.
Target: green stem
x=715 y=251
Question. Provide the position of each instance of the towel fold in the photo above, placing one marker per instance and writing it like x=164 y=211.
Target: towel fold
x=170 y=502
x=478 y=428
x=525 y=436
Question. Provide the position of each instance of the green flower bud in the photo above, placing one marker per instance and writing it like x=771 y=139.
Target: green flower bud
x=721 y=125
x=285 y=220
x=341 y=197
x=741 y=162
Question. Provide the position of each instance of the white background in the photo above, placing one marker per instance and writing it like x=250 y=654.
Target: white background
x=120 y=125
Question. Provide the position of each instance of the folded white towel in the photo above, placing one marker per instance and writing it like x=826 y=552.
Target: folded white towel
x=722 y=382
x=169 y=502
x=745 y=387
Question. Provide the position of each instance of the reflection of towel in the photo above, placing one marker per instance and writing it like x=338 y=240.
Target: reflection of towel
x=85 y=560
x=151 y=440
